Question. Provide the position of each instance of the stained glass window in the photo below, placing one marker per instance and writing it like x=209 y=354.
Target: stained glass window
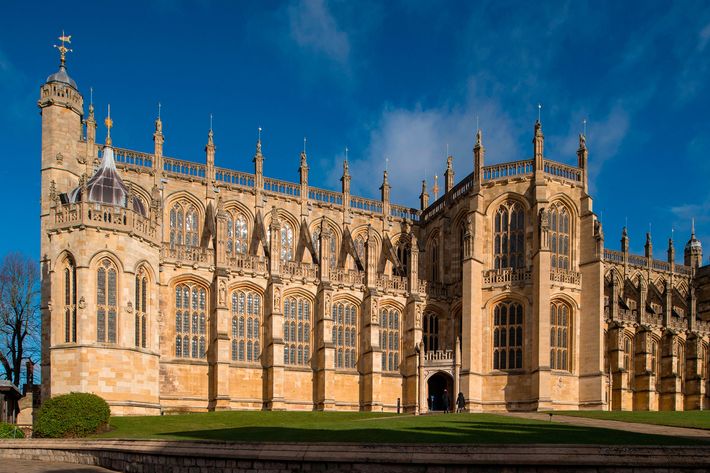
x=297 y=331
x=389 y=339
x=345 y=334
x=106 y=302
x=509 y=236
x=190 y=321
x=246 y=326
x=507 y=336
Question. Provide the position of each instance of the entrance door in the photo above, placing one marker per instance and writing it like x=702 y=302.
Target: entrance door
x=440 y=390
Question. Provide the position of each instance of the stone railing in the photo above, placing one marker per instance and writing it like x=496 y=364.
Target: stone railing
x=325 y=196
x=186 y=254
x=507 y=170
x=349 y=277
x=702 y=326
x=432 y=289
x=282 y=187
x=626 y=315
x=367 y=205
x=439 y=355
x=294 y=269
x=651 y=319
x=129 y=159
x=105 y=217
x=506 y=276
x=401 y=211
x=396 y=283
x=184 y=169
x=234 y=178
x=614 y=256
x=247 y=263
x=678 y=323
x=566 y=276
x=563 y=171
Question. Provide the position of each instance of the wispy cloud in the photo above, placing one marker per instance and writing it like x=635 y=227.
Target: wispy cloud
x=414 y=141
x=313 y=26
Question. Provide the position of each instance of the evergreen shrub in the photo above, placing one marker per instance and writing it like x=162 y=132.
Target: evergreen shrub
x=71 y=415
x=9 y=431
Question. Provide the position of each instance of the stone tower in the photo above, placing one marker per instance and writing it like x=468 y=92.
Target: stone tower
x=693 y=250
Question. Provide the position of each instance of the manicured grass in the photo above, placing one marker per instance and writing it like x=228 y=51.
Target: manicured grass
x=371 y=428
x=691 y=419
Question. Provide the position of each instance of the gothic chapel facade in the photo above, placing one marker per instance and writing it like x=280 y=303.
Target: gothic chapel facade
x=170 y=285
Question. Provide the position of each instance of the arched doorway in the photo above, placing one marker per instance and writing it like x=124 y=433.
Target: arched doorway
x=439 y=385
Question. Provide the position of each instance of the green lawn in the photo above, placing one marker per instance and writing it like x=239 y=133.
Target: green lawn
x=370 y=428
x=692 y=419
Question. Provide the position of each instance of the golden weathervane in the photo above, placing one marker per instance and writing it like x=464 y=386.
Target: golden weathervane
x=109 y=123
x=63 y=50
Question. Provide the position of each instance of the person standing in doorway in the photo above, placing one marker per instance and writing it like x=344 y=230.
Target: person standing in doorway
x=446 y=401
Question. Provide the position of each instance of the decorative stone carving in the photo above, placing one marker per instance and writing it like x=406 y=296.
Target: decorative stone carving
x=374 y=311
x=418 y=319
x=277 y=298
x=129 y=307
x=222 y=292
x=60 y=158
x=82 y=303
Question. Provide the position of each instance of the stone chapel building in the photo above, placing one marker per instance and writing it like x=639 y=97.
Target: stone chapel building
x=170 y=285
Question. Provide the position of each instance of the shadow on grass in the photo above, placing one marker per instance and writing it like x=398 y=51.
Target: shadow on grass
x=470 y=432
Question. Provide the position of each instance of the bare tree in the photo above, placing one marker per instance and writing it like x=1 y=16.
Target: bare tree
x=19 y=314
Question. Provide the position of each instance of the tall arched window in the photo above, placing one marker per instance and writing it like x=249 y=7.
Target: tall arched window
x=106 y=302
x=184 y=225
x=69 y=300
x=656 y=364
x=142 y=300
x=190 y=321
x=704 y=361
x=680 y=366
x=286 y=242
x=507 y=336
x=297 y=331
x=560 y=315
x=333 y=247
x=345 y=334
x=434 y=262
x=236 y=233
x=509 y=236
x=389 y=339
x=246 y=326
x=559 y=236
x=430 y=334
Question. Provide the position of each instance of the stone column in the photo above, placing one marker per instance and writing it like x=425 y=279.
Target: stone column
x=219 y=352
x=371 y=359
x=411 y=337
x=643 y=384
x=670 y=395
x=695 y=390
x=324 y=343
x=539 y=319
x=273 y=324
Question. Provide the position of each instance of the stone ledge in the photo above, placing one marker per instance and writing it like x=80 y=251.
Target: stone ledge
x=167 y=456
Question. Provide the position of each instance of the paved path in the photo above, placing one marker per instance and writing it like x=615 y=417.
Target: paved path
x=617 y=425
x=10 y=465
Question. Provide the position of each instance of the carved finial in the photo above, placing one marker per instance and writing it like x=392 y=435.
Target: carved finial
x=539 y=113
x=109 y=124
x=435 y=189
x=63 y=50
x=346 y=167
x=479 y=138
x=258 y=142
x=692 y=227
x=158 y=121
x=582 y=141
x=91 y=102
x=450 y=163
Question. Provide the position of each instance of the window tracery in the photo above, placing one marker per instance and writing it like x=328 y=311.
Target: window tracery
x=389 y=338
x=508 y=335
x=333 y=247
x=430 y=335
x=69 y=301
x=237 y=233
x=246 y=326
x=297 y=331
x=559 y=236
x=286 y=242
x=142 y=299
x=560 y=333
x=509 y=236
x=190 y=321
x=345 y=334
x=106 y=302
x=184 y=225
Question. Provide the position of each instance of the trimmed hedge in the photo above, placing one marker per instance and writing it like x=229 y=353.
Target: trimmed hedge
x=8 y=431
x=71 y=415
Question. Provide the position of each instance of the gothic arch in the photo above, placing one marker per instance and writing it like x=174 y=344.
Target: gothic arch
x=345 y=297
x=504 y=197
x=101 y=254
x=178 y=196
x=574 y=304
x=190 y=278
x=247 y=286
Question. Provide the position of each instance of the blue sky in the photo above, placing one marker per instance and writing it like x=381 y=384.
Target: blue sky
x=394 y=79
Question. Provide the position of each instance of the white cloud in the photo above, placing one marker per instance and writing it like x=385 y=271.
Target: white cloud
x=313 y=26
x=414 y=141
